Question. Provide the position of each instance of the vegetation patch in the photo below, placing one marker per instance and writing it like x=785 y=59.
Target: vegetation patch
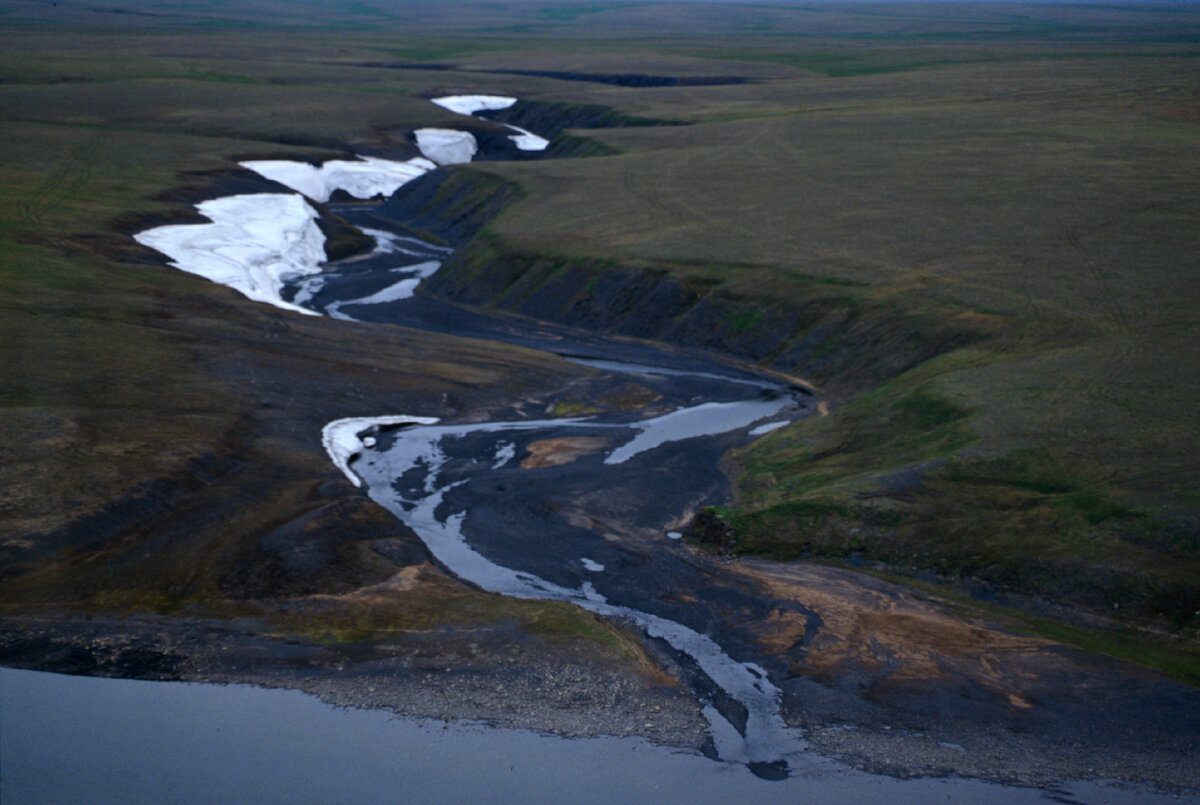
x=1177 y=658
x=890 y=478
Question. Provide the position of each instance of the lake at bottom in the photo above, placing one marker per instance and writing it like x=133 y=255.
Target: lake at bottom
x=66 y=739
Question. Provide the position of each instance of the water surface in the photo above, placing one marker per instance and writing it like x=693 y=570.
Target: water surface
x=69 y=740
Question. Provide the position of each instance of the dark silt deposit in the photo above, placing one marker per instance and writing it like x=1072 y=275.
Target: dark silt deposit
x=593 y=495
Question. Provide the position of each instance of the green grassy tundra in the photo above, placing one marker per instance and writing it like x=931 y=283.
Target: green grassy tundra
x=974 y=228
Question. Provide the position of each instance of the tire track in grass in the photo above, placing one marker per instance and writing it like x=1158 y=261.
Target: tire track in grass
x=1116 y=313
x=68 y=178
x=1129 y=344
x=645 y=187
x=697 y=207
x=1117 y=347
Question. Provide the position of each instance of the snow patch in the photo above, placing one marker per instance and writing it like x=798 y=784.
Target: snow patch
x=365 y=178
x=341 y=438
x=595 y=567
x=255 y=244
x=527 y=140
x=470 y=104
x=768 y=427
x=447 y=146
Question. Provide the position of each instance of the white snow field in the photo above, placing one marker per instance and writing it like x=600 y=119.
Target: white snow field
x=470 y=104
x=365 y=178
x=341 y=441
x=447 y=146
x=254 y=243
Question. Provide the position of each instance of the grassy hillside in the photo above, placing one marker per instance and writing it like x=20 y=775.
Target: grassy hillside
x=155 y=426
x=1011 y=190
x=1048 y=215
x=1022 y=201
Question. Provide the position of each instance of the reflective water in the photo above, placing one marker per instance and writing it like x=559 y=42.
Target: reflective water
x=68 y=740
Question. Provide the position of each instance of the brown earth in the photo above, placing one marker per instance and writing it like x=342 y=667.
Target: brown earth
x=556 y=452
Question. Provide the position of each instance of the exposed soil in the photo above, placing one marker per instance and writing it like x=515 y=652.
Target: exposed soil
x=897 y=683
x=497 y=674
x=556 y=452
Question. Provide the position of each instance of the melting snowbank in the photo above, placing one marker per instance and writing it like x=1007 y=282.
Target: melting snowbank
x=447 y=146
x=472 y=104
x=527 y=140
x=254 y=244
x=258 y=242
x=366 y=178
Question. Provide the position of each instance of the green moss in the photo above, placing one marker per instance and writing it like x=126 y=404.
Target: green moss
x=573 y=408
x=744 y=321
x=924 y=411
x=1026 y=520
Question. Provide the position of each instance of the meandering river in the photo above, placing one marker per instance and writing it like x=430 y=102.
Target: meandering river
x=591 y=525
x=456 y=485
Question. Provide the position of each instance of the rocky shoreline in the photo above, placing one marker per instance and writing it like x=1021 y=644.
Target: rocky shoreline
x=499 y=675
x=506 y=678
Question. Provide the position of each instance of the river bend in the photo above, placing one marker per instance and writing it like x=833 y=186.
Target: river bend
x=589 y=522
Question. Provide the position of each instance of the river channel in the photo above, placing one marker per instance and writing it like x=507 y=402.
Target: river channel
x=580 y=509
x=583 y=507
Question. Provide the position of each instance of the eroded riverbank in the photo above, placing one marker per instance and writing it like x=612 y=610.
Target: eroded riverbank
x=640 y=560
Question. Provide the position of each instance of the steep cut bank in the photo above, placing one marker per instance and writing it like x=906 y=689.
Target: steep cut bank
x=891 y=479
x=552 y=119
x=826 y=334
